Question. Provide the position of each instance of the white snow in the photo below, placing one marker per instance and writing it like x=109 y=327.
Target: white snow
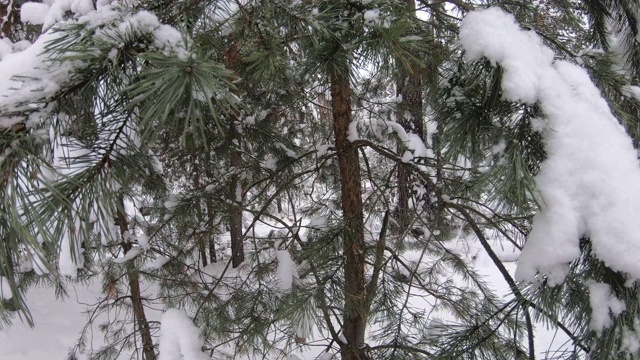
x=583 y=190
x=352 y=131
x=285 y=272
x=318 y=222
x=172 y=202
x=66 y=264
x=56 y=13
x=631 y=338
x=70 y=257
x=143 y=241
x=157 y=263
x=371 y=17
x=131 y=254
x=179 y=338
x=34 y=13
x=38 y=262
x=495 y=34
x=270 y=162
x=5 y=289
x=21 y=45
x=632 y=91
x=603 y=305
x=416 y=147
x=57 y=324
x=6 y=48
x=82 y=7
x=29 y=76
x=170 y=41
x=249 y=120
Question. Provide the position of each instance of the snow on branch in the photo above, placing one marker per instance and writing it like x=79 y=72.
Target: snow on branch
x=179 y=338
x=37 y=74
x=603 y=304
x=29 y=76
x=590 y=183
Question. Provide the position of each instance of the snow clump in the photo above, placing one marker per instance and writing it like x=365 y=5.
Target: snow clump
x=589 y=185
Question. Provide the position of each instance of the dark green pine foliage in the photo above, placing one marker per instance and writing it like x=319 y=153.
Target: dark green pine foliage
x=239 y=116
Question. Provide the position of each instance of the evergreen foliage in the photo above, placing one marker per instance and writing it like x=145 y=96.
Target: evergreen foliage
x=186 y=126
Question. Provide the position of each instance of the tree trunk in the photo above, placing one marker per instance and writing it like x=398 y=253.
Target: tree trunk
x=235 y=215
x=210 y=235
x=134 y=286
x=7 y=16
x=199 y=236
x=232 y=59
x=351 y=195
x=7 y=271
x=410 y=116
x=211 y=239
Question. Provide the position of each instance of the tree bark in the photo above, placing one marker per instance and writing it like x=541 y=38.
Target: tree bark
x=410 y=116
x=134 y=286
x=199 y=235
x=7 y=17
x=210 y=235
x=235 y=215
x=354 y=321
x=232 y=59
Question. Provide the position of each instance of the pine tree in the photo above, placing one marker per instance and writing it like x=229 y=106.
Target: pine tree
x=265 y=134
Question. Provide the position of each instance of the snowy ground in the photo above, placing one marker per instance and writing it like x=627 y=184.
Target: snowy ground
x=58 y=323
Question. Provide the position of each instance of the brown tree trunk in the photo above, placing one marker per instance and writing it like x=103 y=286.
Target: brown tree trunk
x=232 y=59
x=134 y=286
x=211 y=239
x=7 y=16
x=410 y=116
x=354 y=246
x=199 y=236
x=235 y=215
x=210 y=235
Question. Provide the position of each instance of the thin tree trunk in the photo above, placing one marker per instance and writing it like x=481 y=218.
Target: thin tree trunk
x=7 y=17
x=199 y=236
x=354 y=246
x=134 y=286
x=210 y=234
x=410 y=116
x=232 y=59
x=211 y=239
x=235 y=216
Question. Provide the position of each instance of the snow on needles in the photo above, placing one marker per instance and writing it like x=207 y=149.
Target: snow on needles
x=286 y=271
x=33 y=75
x=590 y=183
x=603 y=302
x=5 y=289
x=179 y=338
x=30 y=76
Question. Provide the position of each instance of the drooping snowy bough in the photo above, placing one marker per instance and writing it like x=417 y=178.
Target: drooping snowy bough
x=590 y=183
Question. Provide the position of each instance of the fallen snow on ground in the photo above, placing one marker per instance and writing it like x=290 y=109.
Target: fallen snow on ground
x=57 y=325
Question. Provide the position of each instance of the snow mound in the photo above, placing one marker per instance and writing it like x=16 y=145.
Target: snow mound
x=179 y=338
